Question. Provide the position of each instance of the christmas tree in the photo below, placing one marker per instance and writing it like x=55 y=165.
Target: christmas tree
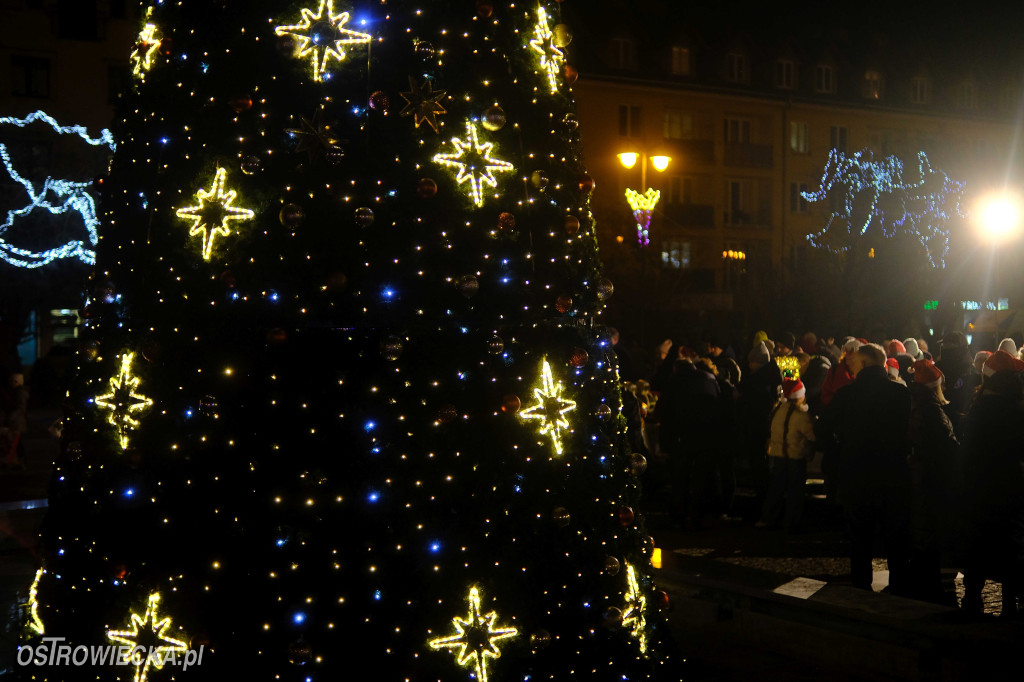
x=344 y=403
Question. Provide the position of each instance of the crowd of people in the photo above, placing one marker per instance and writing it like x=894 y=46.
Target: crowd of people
x=922 y=451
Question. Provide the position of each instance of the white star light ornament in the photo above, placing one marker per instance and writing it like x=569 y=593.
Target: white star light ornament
x=149 y=634
x=551 y=56
x=474 y=163
x=212 y=215
x=322 y=36
x=475 y=637
x=550 y=408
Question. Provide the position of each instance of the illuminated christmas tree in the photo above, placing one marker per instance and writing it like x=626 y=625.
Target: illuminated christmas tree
x=345 y=403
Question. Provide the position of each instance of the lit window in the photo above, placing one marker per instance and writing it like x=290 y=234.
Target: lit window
x=680 y=61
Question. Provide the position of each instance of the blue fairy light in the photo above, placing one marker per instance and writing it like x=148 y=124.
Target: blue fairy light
x=299 y=618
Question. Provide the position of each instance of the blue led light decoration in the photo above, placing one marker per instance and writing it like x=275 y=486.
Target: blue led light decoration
x=54 y=195
x=918 y=203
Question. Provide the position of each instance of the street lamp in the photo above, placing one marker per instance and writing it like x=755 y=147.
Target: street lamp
x=643 y=204
x=998 y=216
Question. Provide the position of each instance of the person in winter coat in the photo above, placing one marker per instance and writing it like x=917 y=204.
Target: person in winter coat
x=792 y=445
x=839 y=374
x=994 y=481
x=758 y=393
x=935 y=473
x=869 y=422
x=961 y=379
x=17 y=422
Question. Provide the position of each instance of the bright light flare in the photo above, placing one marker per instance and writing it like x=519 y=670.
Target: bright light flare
x=628 y=159
x=999 y=216
x=660 y=163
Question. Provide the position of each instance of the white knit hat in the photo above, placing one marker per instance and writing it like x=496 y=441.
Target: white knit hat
x=1008 y=345
x=913 y=350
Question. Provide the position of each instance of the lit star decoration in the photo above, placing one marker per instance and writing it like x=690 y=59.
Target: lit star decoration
x=475 y=637
x=636 y=605
x=474 y=163
x=315 y=135
x=35 y=623
x=323 y=36
x=921 y=207
x=56 y=196
x=550 y=408
x=551 y=56
x=148 y=628
x=422 y=103
x=643 y=206
x=210 y=217
x=124 y=401
x=146 y=46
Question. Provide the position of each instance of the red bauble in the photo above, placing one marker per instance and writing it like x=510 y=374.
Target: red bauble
x=426 y=188
x=579 y=357
x=572 y=225
x=379 y=101
x=484 y=8
x=240 y=103
x=626 y=515
x=571 y=74
x=506 y=221
x=661 y=597
x=511 y=403
x=119 y=570
x=563 y=304
x=587 y=183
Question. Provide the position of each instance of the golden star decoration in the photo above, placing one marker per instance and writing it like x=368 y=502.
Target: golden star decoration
x=474 y=163
x=422 y=103
x=315 y=136
x=550 y=408
x=150 y=633
x=210 y=217
x=146 y=46
x=475 y=637
x=322 y=36
x=35 y=623
x=634 y=617
x=124 y=401
x=551 y=56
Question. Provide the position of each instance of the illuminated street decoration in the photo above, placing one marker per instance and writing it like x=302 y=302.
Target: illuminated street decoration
x=148 y=631
x=634 y=617
x=550 y=408
x=789 y=366
x=210 y=217
x=475 y=637
x=54 y=195
x=474 y=162
x=643 y=207
x=35 y=623
x=920 y=206
x=146 y=47
x=551 y=56
x=124 y=401
x=323 y=36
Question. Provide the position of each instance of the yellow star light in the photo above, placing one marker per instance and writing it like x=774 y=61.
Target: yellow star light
x=213 y=212
x=475 y=637
x=150 y=633
x=550 y=408
x=35 y=623
x=636 y=606
x=474 y=163
x=325 y=31
x=551 y=56
x=145 y=48
x=422 y=103
x=123 y=401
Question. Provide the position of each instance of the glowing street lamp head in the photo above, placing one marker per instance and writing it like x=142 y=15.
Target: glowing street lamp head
x=999 y=216
x=660 y=163
x=628 y=159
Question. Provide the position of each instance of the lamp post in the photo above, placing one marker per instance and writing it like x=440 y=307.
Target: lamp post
x=643 y=204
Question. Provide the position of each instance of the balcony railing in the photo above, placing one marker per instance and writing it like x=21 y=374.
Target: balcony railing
x=748 y=155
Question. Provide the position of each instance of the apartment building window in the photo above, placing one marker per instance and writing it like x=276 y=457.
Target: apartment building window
x=30 y=76
x=623 y=53
x=629 y=121
x=797 y=203
x=920 y=90
x=676 y=254
x=737 y=130
x=837 y=138
x=737 y=202
x=799 y=137
x=680 y=61
x=680 y=190
x=785 y=74
x=873 y=85
x=678 y=125
x=824 y=79
x=736 y=67
x=967 y=95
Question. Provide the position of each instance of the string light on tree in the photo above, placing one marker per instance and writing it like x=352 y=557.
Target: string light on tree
x=210 y=217
x=55 y=196
x=550 y=408
x=474 y=162
x=921 y=207
x=146 y=47
x=322 y=36
x=475 y=636
x=643 y=207
x=551 y=57
x=124 y=401
x=150 y=632
x=635 y=615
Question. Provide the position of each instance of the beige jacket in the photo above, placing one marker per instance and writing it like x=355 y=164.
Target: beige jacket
x=797 y=440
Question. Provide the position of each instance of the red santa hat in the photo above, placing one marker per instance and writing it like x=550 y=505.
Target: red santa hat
x=793 y=389
x=1001 y=361
x=892 y=367
x=925 y=372
x=894 y=348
